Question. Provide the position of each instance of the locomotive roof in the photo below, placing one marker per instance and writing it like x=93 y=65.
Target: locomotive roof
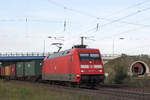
x=63 y=53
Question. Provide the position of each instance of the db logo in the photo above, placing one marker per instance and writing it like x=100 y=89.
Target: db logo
x=90 y=62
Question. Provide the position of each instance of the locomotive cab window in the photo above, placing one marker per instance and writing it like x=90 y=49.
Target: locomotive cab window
x=89 y=56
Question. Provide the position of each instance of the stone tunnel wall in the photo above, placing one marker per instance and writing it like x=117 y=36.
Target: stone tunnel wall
x=128 y=61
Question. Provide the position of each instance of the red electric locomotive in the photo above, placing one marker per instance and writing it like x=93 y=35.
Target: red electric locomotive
x=77 y=65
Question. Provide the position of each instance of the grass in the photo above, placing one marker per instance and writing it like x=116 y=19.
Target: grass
x=13 y=91
x=144 y=77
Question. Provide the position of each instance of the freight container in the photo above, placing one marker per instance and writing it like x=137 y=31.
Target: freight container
x=33 y=68
x=0 y=68
x=20 y=69
x=7 y=71
x=13 y=70
x=2 y=72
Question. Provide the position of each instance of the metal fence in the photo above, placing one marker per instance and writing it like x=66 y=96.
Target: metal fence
x=42 y=54
x=111 y=55
x=24 y=54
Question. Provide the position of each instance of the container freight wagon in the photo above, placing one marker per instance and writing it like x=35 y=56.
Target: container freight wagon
x=33 y=70
x=13 y=71
x=7 y=72
x=2 y=72
x=75 y=65
x=20 y=70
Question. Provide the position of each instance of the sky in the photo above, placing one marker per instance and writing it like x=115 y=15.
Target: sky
x=26 y=24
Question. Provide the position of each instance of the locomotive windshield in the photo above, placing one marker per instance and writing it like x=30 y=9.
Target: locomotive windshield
x=89 y=56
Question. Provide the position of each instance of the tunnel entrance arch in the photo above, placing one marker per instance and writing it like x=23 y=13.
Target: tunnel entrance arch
x=139 y=68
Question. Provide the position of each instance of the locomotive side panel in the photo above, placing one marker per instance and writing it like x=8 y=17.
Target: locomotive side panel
x=58 y=69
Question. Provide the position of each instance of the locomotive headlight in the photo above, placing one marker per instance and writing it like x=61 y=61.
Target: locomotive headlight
x=99 y=70
x=82 y=71
x=78 y=75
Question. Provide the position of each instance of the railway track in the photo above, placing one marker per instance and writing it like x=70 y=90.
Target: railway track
x=122 y=94
x=107 y=93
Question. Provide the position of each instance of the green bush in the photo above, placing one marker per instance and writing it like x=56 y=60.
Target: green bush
x=119 y=75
